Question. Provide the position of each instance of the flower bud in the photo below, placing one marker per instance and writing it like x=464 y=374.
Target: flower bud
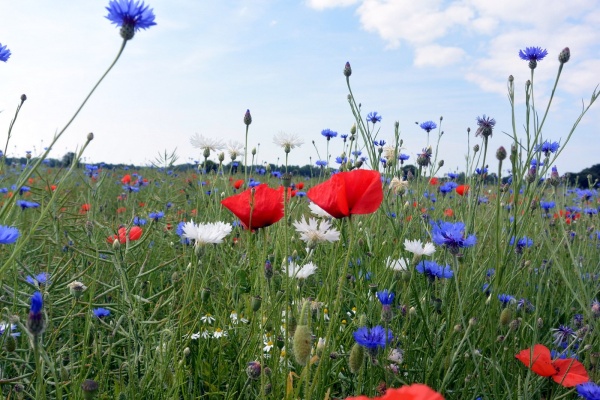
x=357 y=358
x=247 y=118
x=90 y=136
x=90 y=389
x=253 y=370
x=353 y=129
x=501 y=153
x=475 y=148
x=23 y=98
x=564 y=55
x=255 y=303
x=205 y=294
x=347 y=70
x=505 y=316
x=302 y=344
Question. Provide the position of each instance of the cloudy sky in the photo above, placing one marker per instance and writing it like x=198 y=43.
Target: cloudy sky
x=205 y=63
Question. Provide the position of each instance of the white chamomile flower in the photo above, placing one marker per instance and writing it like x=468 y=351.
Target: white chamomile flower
x=219 y=333
x=417 y=248
x=208 y=319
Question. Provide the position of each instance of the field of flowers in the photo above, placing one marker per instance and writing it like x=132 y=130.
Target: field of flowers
x=361 y=280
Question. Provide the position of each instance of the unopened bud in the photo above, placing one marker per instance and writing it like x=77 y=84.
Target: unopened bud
x=564 y=55
x=255 y=303
x=90 y=136
x=347 y=70
x=357 y=358
x=501 y=153
x=247 y=118
x=23 y=98
x=475 y=148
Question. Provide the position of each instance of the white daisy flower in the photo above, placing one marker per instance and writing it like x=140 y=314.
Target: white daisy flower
x=287 y=141
x=206 y=233
x=318 y=211
x=219 y=333
x=397 y=265
x=208 y=319
x=195 y=336
x=201 y=142
x=417 y=248
x=313 y=232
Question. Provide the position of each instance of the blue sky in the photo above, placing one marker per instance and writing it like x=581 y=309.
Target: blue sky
x=205 y=63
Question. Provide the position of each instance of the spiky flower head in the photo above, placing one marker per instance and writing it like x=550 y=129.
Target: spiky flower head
x=210 y=233
x=287 y=141
x=203 y=143
x=533 y=55
x=486 y=126
x=428 y=126
x=130 y=15
x=4 y=53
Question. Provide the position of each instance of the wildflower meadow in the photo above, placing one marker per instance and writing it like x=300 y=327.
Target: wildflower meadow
x=367 y=275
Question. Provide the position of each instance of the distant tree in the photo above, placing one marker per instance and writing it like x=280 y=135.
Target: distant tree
x=68 y=159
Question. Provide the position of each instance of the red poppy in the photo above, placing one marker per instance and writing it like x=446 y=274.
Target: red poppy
x=567 y=372
x=462 y=189
x=300 y=185
x=134 y=234
x=415 y=391
x=126 y=179
x=121 y=210
x=349 y=193
x=257 y=207
x=85 y=208
x=448 y=212
x=433 y=181
x=238 y=184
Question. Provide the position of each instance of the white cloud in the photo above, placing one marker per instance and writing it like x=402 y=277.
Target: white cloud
x=437 y=56
x=323 y=4
x=414 y=22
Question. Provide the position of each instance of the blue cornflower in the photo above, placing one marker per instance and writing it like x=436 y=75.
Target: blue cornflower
x=452 y=175
x=37 y=302
x=139 y=221
x=432 y=270
x=373 y=117
x=590 y=211
x=428 y=126
x=344 y=136
x=156 y=215
x=100 y=312
x=24 y=189
x=169 y=205
x=547 y=205
x=521 y=243
x=43 y=278
x=533 y=54
x=524 y=304
x=588 y=390
x=556 y=354
x=379 y=142
x=403 y=157
x=356 y=153
x=480 y=171
x=9 y=327
x=562 y=334
x=547 y=147
x=385 y=298
x=328 y=133
x=373 y=338
x=253 y=183
x=486 y=126
x=585 y=194
x=451 y=235
x=341 y=160
x=8 y=234
x=27 y=204
x=445 y=188
x=482 y=200
x=276 y=174
x=490 y=272
x=130 y=15
x=505 y=299
x=321 y=163
x=4 y=53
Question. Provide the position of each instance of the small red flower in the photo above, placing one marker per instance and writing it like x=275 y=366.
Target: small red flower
x=121 y=210
x=300 y=185
x=85 y=208
x=448 y=212
x=433 y=181
x=238 y=184
x=257 y=207
x=349 y=193
x=126 y=179
x=567 y=372
x=135 y=233
x=462 y=189
x=415 y=391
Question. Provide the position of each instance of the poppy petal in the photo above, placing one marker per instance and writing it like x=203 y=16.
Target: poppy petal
x=363 y=191
x=256 y=207
x=570 y=372
x=538 y=360
x=415 y=391
x=462 y=189
x=331 y=196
